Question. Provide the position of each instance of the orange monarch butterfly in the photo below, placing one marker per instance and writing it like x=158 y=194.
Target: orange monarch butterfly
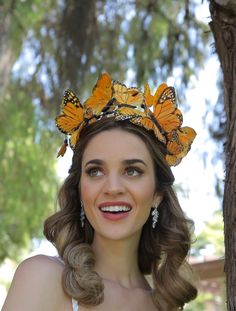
x=130 y=96
x=101 y=96
x=113 y=99
x=70 y=119
x=72 y=113
x=179 y=143
x=165 y=110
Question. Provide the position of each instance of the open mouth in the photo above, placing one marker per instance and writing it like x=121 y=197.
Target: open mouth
x=115 y=209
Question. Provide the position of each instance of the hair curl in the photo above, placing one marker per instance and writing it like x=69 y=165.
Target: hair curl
x=162 y=251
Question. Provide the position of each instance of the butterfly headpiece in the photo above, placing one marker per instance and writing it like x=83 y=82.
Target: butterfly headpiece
x=157 y=113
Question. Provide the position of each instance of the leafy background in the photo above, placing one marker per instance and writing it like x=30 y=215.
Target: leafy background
x=47 y=46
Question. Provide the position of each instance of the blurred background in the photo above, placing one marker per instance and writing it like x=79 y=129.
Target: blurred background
x=48 y=46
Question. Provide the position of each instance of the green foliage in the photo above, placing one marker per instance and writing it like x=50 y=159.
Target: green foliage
x=167 y=36
x=143 y=40
x=27 y=186
x=58 y=44
x=208 y=300
x=212 y=235
x=200 y=302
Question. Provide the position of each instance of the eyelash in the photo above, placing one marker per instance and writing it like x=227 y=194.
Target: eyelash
x=92 y=169
x=133 y=168
x=89 y=171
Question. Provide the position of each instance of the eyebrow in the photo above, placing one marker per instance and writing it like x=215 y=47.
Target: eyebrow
x=124 y=162
x=94 y=161
x=133 y=161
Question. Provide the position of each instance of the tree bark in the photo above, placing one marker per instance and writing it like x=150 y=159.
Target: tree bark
x=223 y=26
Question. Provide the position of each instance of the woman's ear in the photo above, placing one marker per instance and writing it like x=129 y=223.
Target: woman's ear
x=158 y=197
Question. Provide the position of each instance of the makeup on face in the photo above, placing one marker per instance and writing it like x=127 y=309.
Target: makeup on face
x=117 y=183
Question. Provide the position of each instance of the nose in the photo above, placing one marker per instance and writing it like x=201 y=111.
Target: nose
x=114 y=184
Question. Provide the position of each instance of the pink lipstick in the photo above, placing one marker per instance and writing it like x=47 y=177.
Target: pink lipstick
x=115 y=210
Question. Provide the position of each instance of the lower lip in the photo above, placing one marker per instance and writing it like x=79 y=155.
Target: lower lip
x=114 y=217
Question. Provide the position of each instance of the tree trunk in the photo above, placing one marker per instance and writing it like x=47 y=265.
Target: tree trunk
x=223 y=26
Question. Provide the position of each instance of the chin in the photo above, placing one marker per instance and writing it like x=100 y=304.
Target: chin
x=117 y=234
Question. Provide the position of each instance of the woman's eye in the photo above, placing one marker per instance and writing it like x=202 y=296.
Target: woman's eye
x=94 y=172
x=132 y=171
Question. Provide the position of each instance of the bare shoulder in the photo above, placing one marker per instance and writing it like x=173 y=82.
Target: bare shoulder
x=37 y=286
x=39 y=269
x=41 y=263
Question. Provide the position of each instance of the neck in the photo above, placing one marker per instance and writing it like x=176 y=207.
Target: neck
x=116 y=261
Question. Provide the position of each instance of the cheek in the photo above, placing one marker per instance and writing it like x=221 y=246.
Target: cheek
x=88 y=190
x=84 y=189
x=147 y=190
x=145 y=196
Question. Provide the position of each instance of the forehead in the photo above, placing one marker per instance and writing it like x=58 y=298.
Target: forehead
x=116 y=144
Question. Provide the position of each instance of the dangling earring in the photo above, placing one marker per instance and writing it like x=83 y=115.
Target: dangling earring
x=155 y=216
x=82 y=214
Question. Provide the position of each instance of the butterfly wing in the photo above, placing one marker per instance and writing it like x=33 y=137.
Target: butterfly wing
x=170 y=119
x=179 y=144
x=172 y=160
x=130 y=96
x=164 y=108
x=75 y=135
x=72 y=113
x=124 y=112
x=71 y=97
x=186 y=135
x=101 y=95
x=62 y=149
x=148 y=124
x=148 y=97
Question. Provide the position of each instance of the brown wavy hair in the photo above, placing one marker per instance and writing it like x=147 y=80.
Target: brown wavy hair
x=162 y=251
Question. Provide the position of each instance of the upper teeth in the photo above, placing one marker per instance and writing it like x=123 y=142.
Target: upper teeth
x=115 y=208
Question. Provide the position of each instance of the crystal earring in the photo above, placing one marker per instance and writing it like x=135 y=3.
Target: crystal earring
x=155 y=215
x=82 y=214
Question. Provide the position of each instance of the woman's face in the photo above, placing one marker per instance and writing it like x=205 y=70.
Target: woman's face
x=117 y=184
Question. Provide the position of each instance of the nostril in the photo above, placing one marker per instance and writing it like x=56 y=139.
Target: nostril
x=113 y=185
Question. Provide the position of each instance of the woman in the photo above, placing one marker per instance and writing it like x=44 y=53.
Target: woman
x=119 y=217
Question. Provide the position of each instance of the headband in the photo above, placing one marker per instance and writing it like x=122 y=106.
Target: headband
x=157 y=113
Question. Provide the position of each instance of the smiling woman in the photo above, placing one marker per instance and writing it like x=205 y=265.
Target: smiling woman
x=119 y=218
x=119 y=184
